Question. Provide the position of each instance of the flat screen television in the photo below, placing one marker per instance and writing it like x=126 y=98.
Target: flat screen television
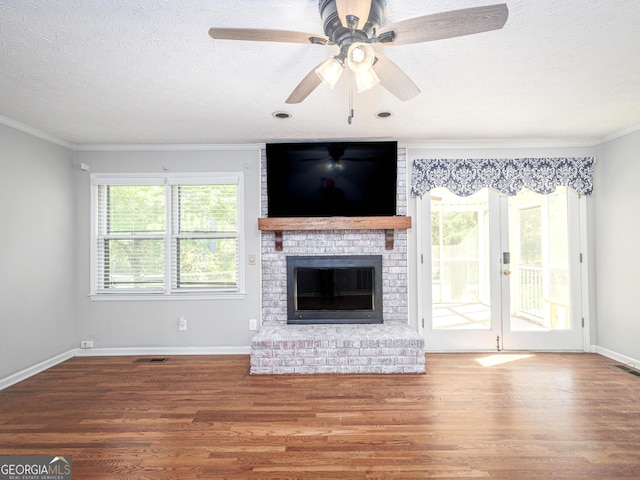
x=344 y=179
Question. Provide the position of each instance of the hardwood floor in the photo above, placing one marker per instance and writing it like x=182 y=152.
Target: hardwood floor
x=538 y=416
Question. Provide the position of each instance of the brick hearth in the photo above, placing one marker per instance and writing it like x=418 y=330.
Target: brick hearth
x=316 y=349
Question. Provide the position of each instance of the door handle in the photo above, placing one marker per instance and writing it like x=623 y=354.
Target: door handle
x=506 y=260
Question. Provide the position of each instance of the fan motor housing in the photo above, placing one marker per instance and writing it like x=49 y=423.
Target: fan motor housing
x=341 y=35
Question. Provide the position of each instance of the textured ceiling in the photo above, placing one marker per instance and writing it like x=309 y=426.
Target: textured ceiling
x=146 y=72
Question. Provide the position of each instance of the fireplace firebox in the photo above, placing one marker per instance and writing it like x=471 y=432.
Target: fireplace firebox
x=334 y=289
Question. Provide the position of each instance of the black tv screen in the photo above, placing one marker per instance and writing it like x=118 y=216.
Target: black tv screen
x=346 y=179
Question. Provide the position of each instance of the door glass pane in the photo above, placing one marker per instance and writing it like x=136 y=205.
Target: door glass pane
x=539 y=243
x=460 y=260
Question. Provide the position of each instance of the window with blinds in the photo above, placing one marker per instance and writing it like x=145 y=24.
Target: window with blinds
x=166 y=235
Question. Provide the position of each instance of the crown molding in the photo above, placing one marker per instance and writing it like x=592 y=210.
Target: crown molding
x=500 y=143
x=619 y=134
x=168 y=147
x=36 y=133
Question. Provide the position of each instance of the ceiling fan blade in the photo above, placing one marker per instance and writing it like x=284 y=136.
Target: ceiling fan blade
x=454 y=23
x=306 y=86
x=357 y=8
x=264 y=35
x=393 y=78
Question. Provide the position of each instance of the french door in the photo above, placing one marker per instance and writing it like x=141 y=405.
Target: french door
x=501 y=272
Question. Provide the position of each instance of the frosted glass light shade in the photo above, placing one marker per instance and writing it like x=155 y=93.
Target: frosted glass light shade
x=366 y=80
x=329 y=71
x=360 y=57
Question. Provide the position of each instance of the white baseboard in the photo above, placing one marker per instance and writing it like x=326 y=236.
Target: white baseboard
x=107 y=352
x=616 y=356
x=35 y=369
x=141 y=351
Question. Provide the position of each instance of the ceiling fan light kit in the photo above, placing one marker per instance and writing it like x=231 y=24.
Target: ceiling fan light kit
x=330 y=71
x=355 y=26
x=360 y=57
x=365 y=80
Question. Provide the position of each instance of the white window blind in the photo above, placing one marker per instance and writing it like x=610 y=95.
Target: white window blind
x=167 y=235
x=205 y=237
x=130 y=243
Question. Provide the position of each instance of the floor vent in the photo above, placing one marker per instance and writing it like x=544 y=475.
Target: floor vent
x=628 y=369
x=151 y=360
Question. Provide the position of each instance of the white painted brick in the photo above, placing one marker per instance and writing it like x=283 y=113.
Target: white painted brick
x=326 y=369
x=392 y=369
x=337 y=361
x=305 y=370
x=262 y=370
x=292 y=362
x=359 y=360
x=284 y=370
x=314 y=361
x=327 y=352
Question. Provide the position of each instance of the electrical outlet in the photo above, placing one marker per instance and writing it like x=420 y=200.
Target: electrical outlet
x=86 y=344
x=253 y=324
x=182 y=324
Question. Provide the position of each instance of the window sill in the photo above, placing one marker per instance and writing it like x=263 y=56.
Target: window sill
x=108 y=297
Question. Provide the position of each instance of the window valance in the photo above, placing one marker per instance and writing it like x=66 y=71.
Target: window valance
x=507 y=175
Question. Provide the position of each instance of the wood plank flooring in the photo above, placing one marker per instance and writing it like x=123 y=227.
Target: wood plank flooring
x=535 y=416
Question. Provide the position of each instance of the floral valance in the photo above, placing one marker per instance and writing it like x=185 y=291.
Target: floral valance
x=507 y=175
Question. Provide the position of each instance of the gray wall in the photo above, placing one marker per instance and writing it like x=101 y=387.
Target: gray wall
x=617 y=215
x=37 y=254
x=135 y=324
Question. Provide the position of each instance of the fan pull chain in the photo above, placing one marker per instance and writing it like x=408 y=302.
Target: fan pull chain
x=350 y=117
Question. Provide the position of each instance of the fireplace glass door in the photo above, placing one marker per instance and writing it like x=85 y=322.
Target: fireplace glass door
x=334 y=288
x=342 y=289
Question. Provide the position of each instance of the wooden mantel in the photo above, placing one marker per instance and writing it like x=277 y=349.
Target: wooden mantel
x=388 y=224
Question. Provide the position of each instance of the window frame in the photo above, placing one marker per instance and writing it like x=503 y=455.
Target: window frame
x=168 y=180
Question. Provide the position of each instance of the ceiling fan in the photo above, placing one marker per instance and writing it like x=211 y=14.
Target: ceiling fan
x=354 y=26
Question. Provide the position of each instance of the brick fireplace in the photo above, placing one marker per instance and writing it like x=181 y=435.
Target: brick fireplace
x=388 y=347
